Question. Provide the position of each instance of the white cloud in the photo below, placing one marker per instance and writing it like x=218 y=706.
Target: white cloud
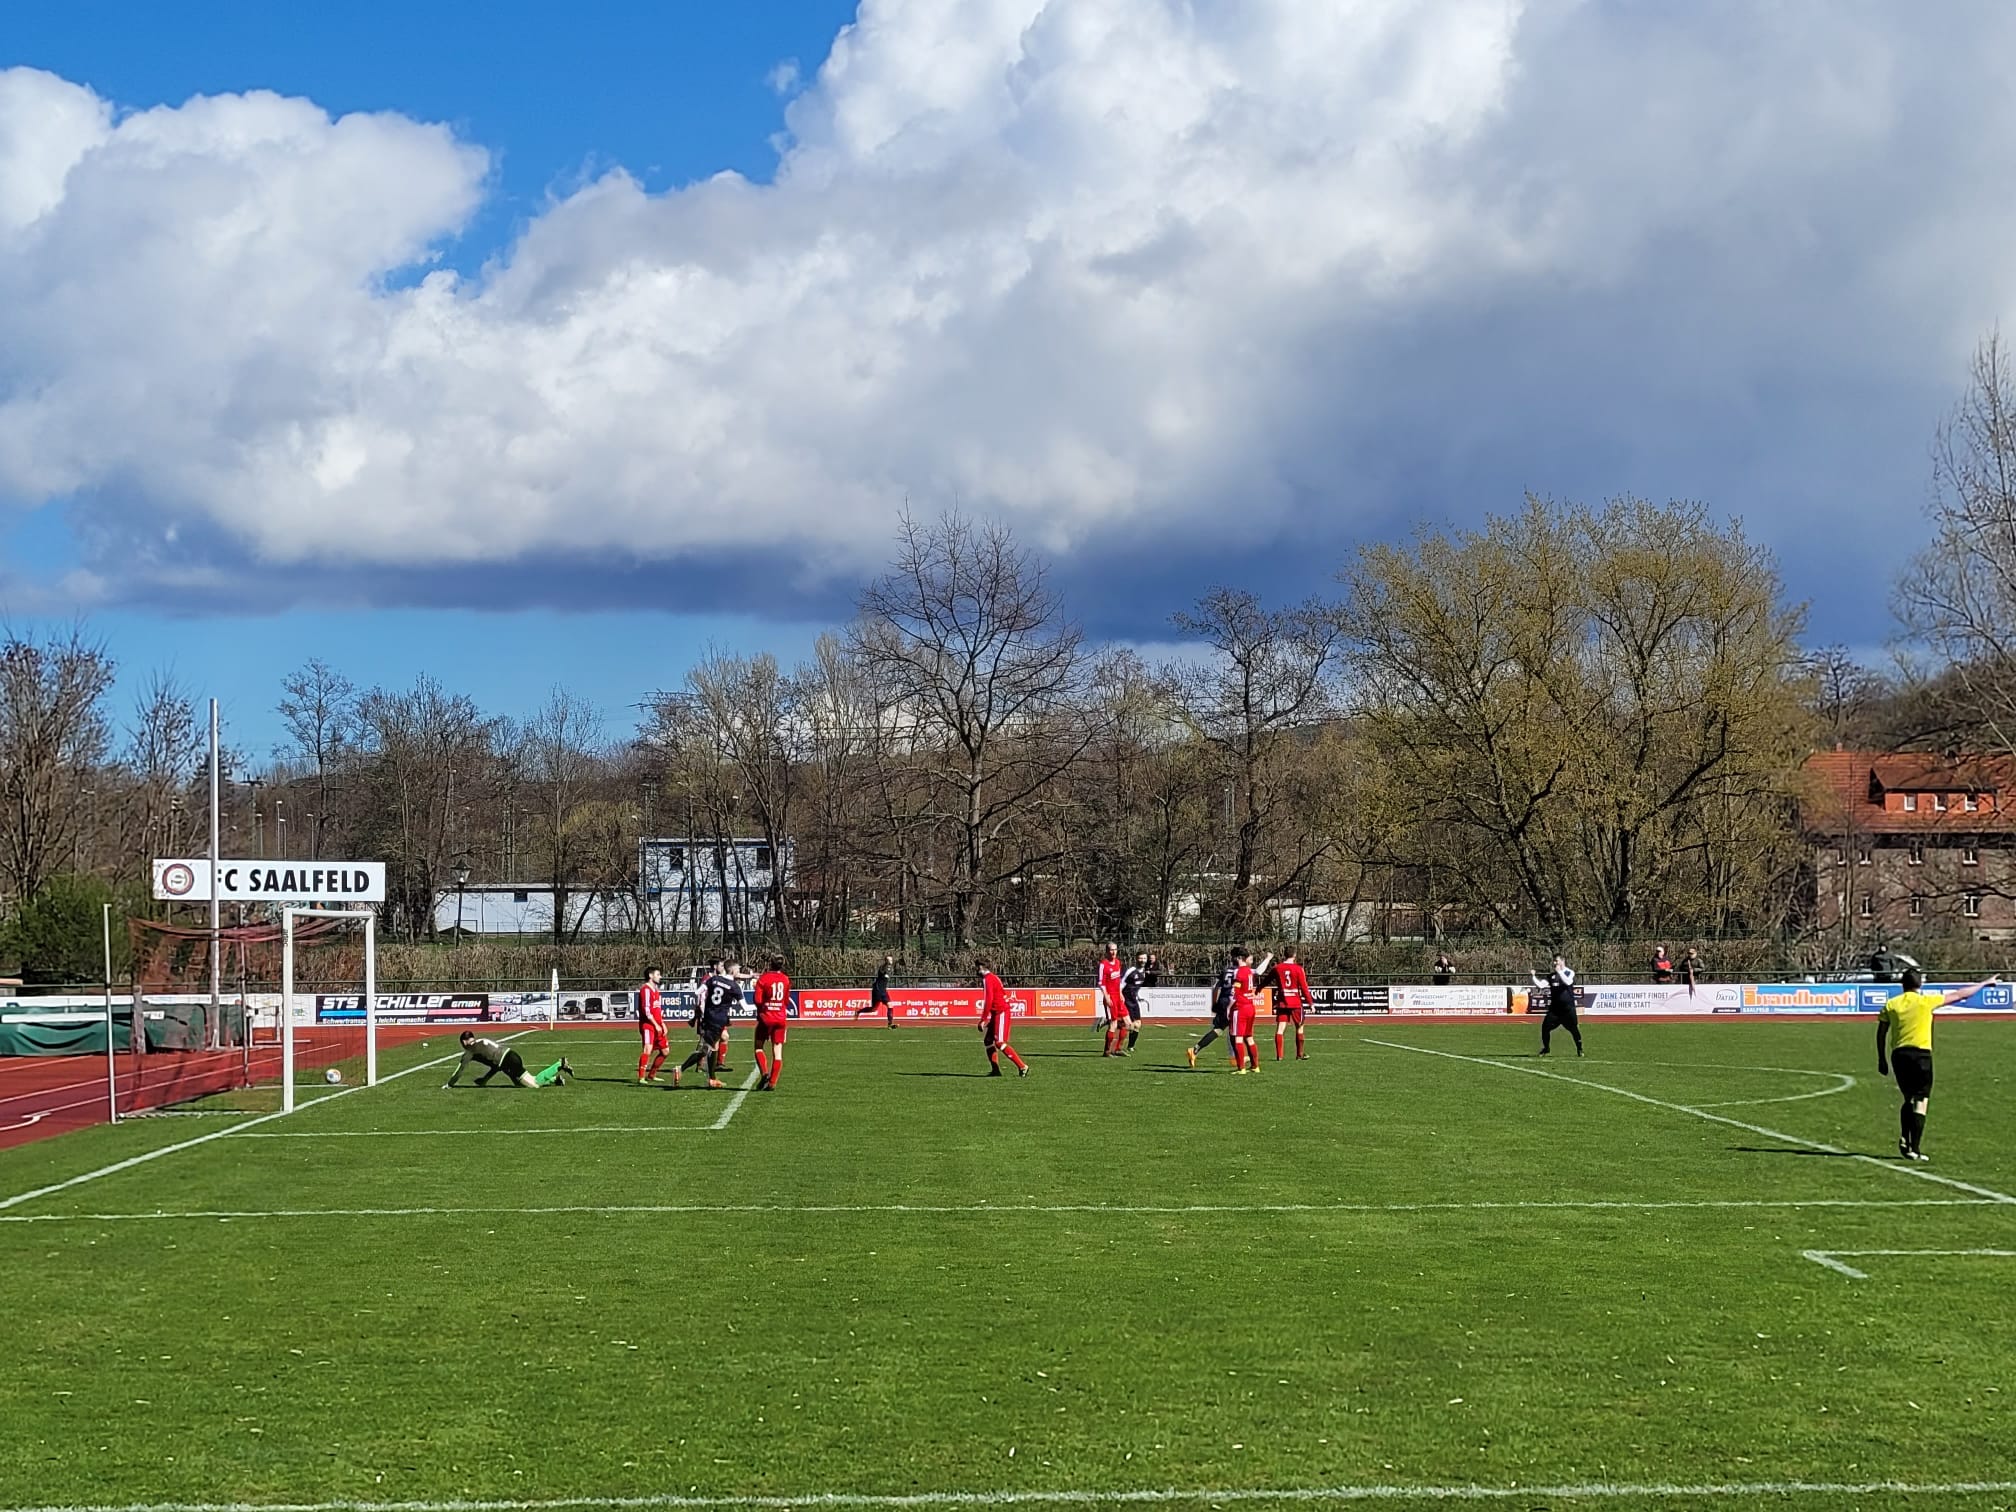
x=1104 y=266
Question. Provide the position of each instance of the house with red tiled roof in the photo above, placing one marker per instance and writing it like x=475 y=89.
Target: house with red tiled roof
x=1908 y=842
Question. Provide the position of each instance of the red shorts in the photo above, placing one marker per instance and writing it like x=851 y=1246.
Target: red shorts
x=1292 y=1011
x=996 y=1027
x=1242 y=1021
x=654 y=1035
x=771 y=1030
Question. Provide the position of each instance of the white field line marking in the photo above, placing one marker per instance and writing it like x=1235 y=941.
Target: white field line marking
x=1832 y=1258
x=1145 y=1496
x=734 y=1103
x=1735 y=1123
x=987 y=1209
x=484 y=1133
x=234 y=1131
x=1842 y=1081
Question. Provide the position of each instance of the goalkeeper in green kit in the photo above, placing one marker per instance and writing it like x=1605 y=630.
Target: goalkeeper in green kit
x=495 y=1058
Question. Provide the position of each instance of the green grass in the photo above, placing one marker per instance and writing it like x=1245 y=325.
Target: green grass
x=895 y=1277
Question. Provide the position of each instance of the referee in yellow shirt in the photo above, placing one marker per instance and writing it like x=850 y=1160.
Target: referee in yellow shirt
x=1904 y=1031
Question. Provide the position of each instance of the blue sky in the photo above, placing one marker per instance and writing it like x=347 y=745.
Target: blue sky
x=672 y=91
x=539 y=346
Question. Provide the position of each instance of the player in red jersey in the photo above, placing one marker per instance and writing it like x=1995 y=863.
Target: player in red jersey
x=1113 y=1003
x=651 y=1026
x=1291 y=1002
x=996 y=1020
x=773 y=1018
x=1245 y=1008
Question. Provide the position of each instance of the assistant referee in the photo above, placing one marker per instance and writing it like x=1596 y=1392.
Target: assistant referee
x=1904 y=1031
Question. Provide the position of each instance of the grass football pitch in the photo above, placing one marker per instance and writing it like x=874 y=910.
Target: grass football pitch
x=1422 y=1267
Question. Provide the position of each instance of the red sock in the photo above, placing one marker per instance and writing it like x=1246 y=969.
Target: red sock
x=762 y=1066
x=643 y=1065
x=776 y=1069
x=1298 y=1044
x=1238 y=1056
x=1279 y=1048
x=1009 y=1051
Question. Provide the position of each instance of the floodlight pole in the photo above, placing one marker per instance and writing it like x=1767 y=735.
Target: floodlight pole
x=111 y=1063
x=370 y=996
x=287 y=1010
x=216 y=946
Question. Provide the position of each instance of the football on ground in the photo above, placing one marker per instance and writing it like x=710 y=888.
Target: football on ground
x=1423 y=1266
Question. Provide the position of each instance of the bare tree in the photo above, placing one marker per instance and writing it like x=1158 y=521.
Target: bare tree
x=164 y=748
x=560 y=757
x=319 y=708
x=1958 y=602
x=53 y=734
x=1269 y=677
x=967 y=634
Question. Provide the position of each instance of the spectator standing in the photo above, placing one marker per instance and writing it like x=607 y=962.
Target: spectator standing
x=1662 y=966
x=1444 y=969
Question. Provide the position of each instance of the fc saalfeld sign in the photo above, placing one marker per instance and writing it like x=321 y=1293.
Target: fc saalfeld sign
x=271 y=881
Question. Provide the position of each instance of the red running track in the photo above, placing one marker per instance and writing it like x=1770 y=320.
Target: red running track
x=41 y=1095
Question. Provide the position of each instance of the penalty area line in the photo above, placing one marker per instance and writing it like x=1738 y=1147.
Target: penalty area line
x=1989 y=1193
x=236 y=1131
x=1594 y=1491
x=1833 y=1259
x=734 y=1103
x=994 y=1209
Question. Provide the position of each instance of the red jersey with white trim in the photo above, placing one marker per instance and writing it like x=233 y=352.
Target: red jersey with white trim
x=993 y=996
x=1242 y=987
x=1110 y=973
x=1294 y=984
x=773 y=995
x=650 y=1005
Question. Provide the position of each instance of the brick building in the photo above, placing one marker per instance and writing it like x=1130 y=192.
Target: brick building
x=1911 y=843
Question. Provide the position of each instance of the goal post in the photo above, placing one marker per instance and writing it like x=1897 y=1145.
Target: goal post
x=368 y=917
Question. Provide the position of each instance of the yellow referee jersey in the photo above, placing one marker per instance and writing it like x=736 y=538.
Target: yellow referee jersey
x=1908 y=1017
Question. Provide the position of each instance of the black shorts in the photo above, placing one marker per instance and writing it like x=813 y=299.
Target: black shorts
x=1914 y=1071
x=1560 y=1018
x=514 y=1065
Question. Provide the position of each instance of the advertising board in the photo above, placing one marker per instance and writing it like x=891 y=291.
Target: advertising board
x=1803 y=997
x=1447 y=999
x=1176 y=1002
x=1350 y=999
x=1657 y=1000
x=406 y=1008
x=920 y=1005
x=187 y=880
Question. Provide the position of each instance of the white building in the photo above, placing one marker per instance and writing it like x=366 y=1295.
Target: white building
x=703 y=886
x=528 y=908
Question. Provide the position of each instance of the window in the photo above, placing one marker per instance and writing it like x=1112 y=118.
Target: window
x=1939 y=802
x=1917 y=906
x=1861 y=855
x=675 y=858
x=1971 y=905
x=1971 y=802
x=762 y=858
x=1910 y=803
x=1971 y=856
x=1917 y=852
x=1868 y=908
x=521 y=897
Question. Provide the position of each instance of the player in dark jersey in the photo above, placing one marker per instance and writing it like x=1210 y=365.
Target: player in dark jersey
x=720 y=996
x=1130 y=994
x=1221 y=1007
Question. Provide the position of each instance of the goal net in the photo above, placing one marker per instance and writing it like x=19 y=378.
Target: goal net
x=295 y=993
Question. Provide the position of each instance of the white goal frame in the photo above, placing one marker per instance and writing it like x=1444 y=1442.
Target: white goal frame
x=368 y=917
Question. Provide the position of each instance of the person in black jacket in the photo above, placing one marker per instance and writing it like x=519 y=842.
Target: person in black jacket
x=1559 y=985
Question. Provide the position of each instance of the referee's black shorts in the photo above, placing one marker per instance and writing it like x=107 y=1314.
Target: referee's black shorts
x=514 y=1065
x=1914 y=1071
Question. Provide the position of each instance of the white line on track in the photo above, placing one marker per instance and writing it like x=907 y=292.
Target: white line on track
x=734 y=1103
x=234 y=1132
x=1735 y=1123
x=1832 y=1258
x=1597 y=1491
x=483 y=1133
x=987 y=1209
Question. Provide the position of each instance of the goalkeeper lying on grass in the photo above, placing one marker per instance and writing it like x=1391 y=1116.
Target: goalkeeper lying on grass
x=496 y=1057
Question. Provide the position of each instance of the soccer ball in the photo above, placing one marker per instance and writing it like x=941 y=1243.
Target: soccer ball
x=333 y=1077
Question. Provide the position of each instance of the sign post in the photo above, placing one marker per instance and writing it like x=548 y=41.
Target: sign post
x=111 y=1061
